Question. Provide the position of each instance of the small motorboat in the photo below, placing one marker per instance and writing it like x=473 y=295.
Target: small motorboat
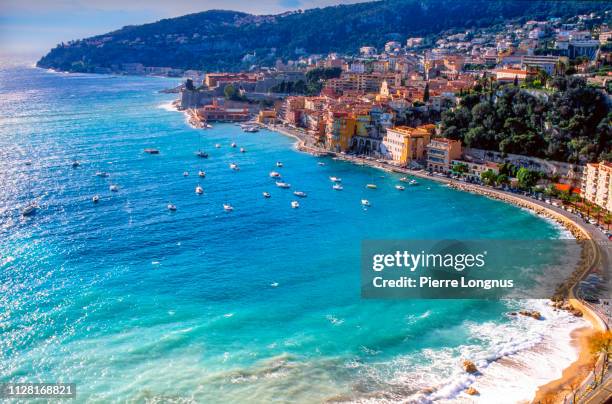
x=202 y=154
x=365 y=202
x=338 y=187
x=371 y=186
x=199 y=190
x=413 y=182
x=227 y=207
x=114 y=188
x=279 y=164
x=242 y=150
x=29 y=210
x=75 y=164
x=151 y=151
x=266 y=195
x=274 y=284
x=218 y=146
x=208 y=126
x=274 y=174
x=400 y=187
x=234 y=166
x=300 y=194
x=404 y=179
x=335 y=179
x=295 y=204
x=233 y=144
x=101 y=174
x=321 y=163
x=201 y=174
x=251 y=129
x=171 y=206
x=185 y=173
x=95 y=199
x=282 y=184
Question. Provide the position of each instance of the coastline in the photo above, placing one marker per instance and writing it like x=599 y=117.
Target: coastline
x=577 y=373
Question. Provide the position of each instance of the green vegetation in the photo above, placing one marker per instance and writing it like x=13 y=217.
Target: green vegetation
x=232 y=93
x=572 y=123
x=219 y=40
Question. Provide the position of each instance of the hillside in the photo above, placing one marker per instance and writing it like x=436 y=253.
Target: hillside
x=219 y=40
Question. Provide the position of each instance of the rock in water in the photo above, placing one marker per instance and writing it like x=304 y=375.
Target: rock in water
x=472 y=391
x=469 y=366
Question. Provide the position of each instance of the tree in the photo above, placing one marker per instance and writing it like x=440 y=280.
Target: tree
x=460 y=168
x=601 y=343
x=426 y=93
x=516 y=81
x=527 y=178
x=488 y=177
x=232 y=93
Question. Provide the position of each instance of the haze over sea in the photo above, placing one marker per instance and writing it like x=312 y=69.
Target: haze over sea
x=131 y=301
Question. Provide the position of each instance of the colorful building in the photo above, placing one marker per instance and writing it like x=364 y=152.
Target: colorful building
x=339 y=130
x=441 y=152
x=597 y=184
x=404 y=144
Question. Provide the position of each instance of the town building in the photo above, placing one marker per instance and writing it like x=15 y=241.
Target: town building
x=441 y=152
x=545 y=63
x=597 y=184
x=405 y=145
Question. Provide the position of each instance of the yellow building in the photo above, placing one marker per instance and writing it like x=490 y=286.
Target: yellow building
x=597 y=184
x=340 y=129
x=405 y=144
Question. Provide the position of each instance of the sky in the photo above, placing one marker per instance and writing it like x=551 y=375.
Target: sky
x=29 y=28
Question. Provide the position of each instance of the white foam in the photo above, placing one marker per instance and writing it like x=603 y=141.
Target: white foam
x=168 y=106
x=513 y=360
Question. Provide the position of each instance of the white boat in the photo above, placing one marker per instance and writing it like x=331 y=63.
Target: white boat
x=227 y=207
x=234 y=166
x=266 y=195
x=171 y=206
x=335 y=179
x=300 y=194
x=95 y=199
x=201 y=173
x=337 y=187
x=282 y=184
x=279 y=164
x=404 y=179
x=321 y=163
x=413 y=182
x=217 y=146
x=371 y=186
x=114 y=188
x=251 y=129
x=274 y=284
x=365 y=202
x=295 y=204
x=233 y=144
x=185 y=173
x=199 y=190
x=29 y=210
x=209 y=126
x=101 y=174
x=242 y=150
x=274 y=174
x=400 y=187
x=202 y=154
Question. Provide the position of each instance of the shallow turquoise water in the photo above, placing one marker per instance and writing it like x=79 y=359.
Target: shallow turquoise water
x=131 y=301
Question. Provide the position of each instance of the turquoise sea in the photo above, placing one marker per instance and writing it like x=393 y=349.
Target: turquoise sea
x=133 y=302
